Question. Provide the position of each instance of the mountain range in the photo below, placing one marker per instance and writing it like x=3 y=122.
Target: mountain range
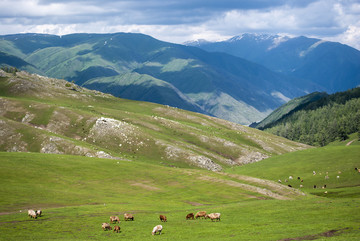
x=333 y=66
x=139 y=67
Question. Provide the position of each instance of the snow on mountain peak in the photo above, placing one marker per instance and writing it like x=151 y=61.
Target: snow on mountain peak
x=277 y=41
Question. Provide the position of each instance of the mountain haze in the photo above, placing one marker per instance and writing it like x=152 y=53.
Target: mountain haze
x=332 y=66
x=139 y=67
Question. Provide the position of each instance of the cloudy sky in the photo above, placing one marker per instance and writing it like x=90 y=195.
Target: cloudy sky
x=182 y=20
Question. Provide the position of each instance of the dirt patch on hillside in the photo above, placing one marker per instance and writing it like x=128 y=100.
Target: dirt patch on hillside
x=176 y=153
x=274 y=186
x=350 y=142
x=146 y=186
x=247 y=187
x=326 y=234
x=249 y=156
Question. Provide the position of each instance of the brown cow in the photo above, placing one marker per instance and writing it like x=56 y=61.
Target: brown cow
x=114 y=219
x=190 y=216
x=128 y=216
x=106 y=226
x=200 y=214
x=163 y=218
x=116 y=229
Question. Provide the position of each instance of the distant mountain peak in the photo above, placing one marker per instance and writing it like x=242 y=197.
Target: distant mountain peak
x=253 y=36
x=272 y=40
x=197 y=42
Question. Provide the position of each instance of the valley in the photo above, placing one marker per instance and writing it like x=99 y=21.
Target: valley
x=81 y=156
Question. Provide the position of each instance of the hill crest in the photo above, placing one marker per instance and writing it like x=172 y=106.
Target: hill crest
x=68 y=119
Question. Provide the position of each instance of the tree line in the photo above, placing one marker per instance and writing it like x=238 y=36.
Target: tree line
x=331 y=118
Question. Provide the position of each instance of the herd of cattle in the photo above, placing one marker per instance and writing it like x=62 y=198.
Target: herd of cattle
x=129 y=217
x=163 y=218
x=314 y=173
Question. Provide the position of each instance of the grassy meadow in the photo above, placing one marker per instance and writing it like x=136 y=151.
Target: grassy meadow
x=154 y=169
x=77 y=194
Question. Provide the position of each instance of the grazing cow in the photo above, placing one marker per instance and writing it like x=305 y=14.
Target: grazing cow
x=114 y=219
x=298 y=178
x=32 y=214
x=290 y=177
x=279 y=181
x=326 y=177
x=106 y=226
x=128 y=217
x=301 y=186
x=314 y=186
x=200 y=214
x=157 y=229
x=213 y=216
x=30 y=211
x=314 y=172
x=116 y=229
x=163 y=218
x=356 y=168
x=38 y=213
x=289 y=185
x=337 y=177
x=324 y=186
x=190 y=216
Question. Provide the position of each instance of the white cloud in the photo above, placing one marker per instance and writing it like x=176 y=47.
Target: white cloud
x=350 y=37
x=179 y=21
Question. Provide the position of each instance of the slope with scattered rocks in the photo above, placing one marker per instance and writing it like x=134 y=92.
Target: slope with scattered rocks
x=40 y=114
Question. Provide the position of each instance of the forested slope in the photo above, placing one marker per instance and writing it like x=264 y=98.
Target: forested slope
x=323 y=121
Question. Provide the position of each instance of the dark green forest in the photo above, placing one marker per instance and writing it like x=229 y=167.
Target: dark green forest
x=331 y=118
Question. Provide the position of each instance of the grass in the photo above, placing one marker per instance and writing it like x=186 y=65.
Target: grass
x=39 y=179
x=71 y=115
x=265 y=220
x=77 y=194
x=331 y=161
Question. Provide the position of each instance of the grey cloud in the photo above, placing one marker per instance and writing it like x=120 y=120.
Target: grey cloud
x=153 y=12
x=166 y=18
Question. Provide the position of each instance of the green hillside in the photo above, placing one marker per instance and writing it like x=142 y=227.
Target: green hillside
x=287 y=109
x=7 y=60
x=47 y=115
x=334 y=167
x=317 y=122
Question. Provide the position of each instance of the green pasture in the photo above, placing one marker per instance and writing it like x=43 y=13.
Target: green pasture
x=334 y=167
x=77 y=194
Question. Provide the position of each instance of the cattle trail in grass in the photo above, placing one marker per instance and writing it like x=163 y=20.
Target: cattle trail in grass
x=264 y=187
